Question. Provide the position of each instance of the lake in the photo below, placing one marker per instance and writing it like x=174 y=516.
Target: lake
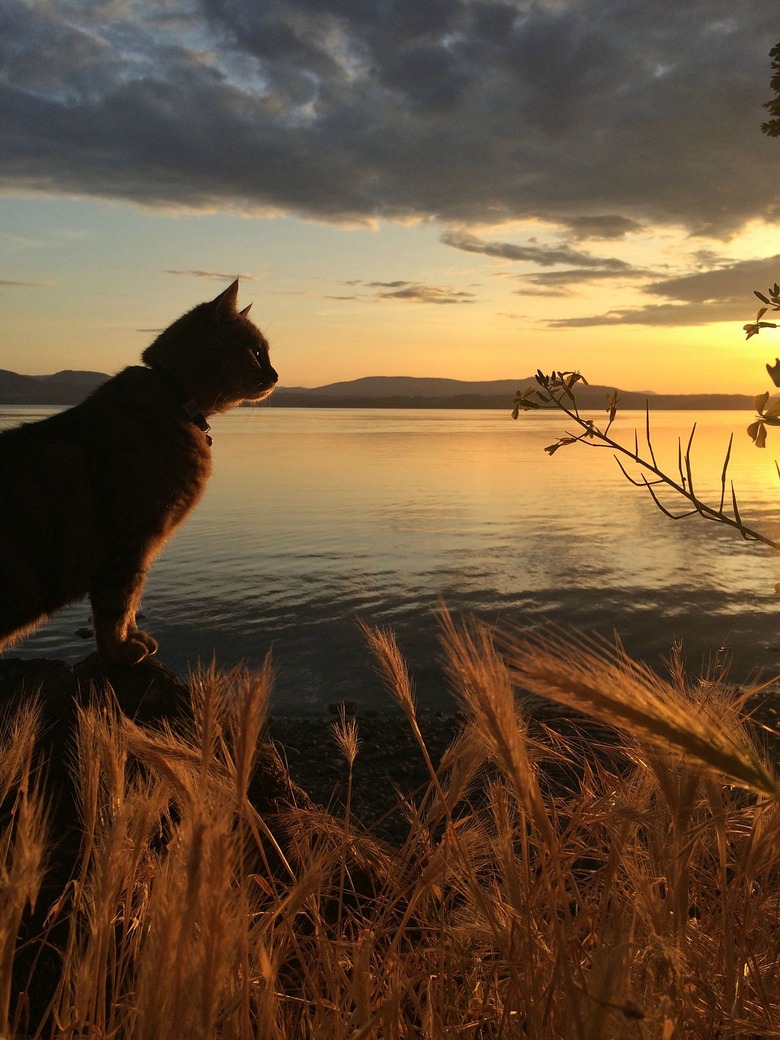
x=317 y=518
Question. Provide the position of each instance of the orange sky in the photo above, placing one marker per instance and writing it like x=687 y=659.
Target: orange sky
x=94 y=281
x=472 y=188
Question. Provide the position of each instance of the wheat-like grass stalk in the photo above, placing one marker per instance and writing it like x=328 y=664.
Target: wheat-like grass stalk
x=22 y=838
x=700 y=721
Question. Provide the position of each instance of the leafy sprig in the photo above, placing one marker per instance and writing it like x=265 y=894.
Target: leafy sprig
x=771 y=301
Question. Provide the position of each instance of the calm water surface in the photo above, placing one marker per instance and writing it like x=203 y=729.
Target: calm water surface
x=317 y=518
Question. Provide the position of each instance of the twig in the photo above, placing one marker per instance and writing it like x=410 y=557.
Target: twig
x=558 y=387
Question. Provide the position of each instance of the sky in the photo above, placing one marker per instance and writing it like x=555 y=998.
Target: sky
x=464 y=188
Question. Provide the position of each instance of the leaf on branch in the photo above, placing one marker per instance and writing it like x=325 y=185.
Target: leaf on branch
x=774 y=372
x=772 y=408
x=612 y=404
x=523 y=400
x=772 y=297
x=757 y=433
x=574 y=377
x=760 y=402
x=552 y=448
x=754 y=327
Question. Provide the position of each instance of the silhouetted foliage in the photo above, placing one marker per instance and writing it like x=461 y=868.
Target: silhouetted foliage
x=772 y=127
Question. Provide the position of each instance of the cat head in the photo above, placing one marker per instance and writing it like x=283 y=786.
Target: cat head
x=217 y=354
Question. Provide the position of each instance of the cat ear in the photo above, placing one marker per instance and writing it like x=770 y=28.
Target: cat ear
x=245 y=311
x=225 y=303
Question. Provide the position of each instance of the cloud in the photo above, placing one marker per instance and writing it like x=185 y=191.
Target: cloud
x=661 y=314
x=214 y=276
x=400 y=289
x=728 y=283
x=544 y=256
x=573 y=276
x=416 y=293
x=11 y=283
x=721 y=294
x=605 y=226
x=590 y=114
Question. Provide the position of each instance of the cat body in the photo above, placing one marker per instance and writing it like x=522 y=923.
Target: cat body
x=90 y=495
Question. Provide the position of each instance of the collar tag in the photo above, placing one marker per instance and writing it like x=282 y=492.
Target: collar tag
x=193 y=412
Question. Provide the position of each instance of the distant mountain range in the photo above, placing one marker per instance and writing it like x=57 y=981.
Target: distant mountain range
x=70 y=387
x=66 y=387
x=414 y=392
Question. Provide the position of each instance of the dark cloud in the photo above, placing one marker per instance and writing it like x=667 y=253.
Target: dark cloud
x=721 y=294
x=550 y=279
x=605 y=226
x=594 y=115
x=732 y=282
x=544 y=256
x=661 y=314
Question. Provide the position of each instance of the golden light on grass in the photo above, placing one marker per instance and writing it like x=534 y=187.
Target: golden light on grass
x=637 y=900
x=701 y=720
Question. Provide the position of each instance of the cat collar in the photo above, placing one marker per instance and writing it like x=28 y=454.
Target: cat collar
x=194 y=414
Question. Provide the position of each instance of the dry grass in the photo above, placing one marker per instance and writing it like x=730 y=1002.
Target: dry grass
x=642 y=901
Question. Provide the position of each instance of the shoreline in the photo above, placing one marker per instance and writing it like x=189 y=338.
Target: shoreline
x=389 y=767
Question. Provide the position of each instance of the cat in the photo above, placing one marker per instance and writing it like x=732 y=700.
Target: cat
x=90 y=495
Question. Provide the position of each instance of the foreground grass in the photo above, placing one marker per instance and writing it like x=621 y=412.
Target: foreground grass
x=541 y=892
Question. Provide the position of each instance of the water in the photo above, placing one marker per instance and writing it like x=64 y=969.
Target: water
x=315 y=519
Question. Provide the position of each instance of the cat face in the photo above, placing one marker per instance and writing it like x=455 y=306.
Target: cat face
x=217 y=354
x=246 y=365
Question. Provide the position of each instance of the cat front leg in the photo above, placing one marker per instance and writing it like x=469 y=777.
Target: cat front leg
x=119 y=640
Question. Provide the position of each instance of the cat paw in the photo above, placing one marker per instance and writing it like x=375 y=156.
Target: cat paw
x=132 y=650
x=148 y=641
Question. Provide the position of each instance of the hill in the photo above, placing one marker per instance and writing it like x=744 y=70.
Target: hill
x=66 y=387
x=70 y=387
x=414 y=392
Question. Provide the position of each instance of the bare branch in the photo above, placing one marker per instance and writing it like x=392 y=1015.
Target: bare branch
x=559 y=389
x=723 y=474
x=647 y=431
x=662 y=507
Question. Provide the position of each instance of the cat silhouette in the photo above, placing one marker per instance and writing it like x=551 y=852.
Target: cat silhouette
x=90 y=495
